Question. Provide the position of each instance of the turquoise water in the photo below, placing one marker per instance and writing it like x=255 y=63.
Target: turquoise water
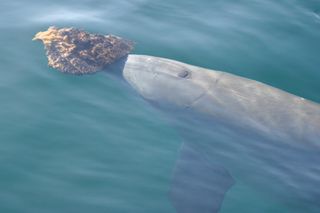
x=84 y=144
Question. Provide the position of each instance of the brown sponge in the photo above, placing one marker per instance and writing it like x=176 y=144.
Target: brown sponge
x=75 y=51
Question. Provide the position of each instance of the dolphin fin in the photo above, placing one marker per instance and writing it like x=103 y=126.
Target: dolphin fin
x=197 y=186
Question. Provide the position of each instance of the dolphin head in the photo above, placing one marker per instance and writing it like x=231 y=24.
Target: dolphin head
x=166 y=82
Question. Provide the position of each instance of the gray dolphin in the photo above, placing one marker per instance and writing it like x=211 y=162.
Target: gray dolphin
x=233 y=128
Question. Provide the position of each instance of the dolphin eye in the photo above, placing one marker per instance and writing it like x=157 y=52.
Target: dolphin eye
x=183 y=74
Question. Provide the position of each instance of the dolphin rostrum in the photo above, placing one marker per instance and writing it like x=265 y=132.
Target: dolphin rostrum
x=233 y=128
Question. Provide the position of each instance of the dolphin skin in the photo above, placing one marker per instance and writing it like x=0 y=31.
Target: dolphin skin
x=233 y=128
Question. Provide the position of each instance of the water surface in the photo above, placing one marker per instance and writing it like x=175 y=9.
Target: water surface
x=84 y=144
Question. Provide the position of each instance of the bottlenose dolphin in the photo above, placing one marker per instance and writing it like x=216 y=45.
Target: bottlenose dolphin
x=233 y=128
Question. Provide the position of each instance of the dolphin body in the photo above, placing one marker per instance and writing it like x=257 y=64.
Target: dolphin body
x=233 y=128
